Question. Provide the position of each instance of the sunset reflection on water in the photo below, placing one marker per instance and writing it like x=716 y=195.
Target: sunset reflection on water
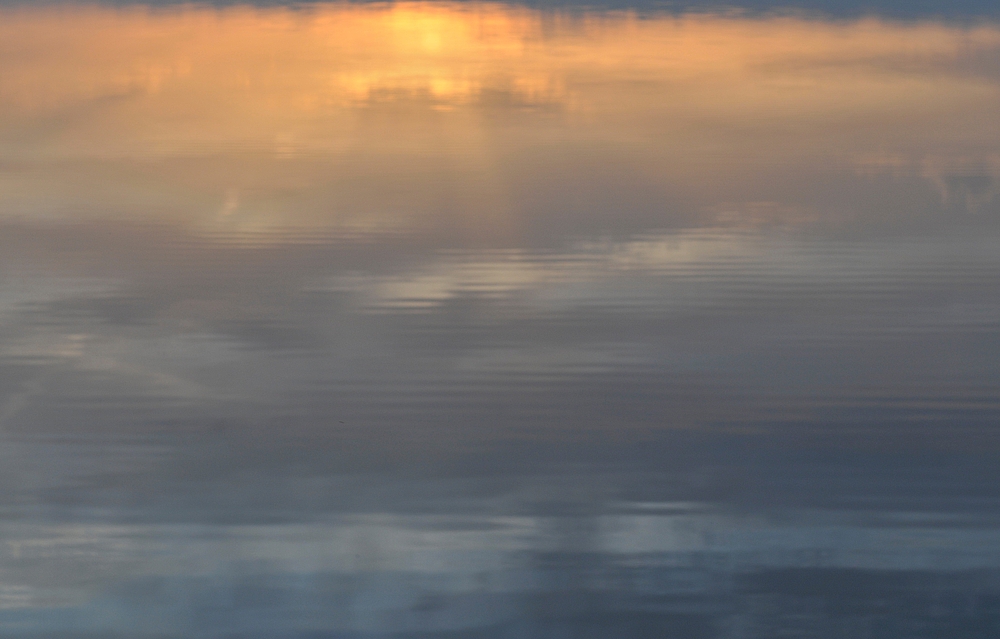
x=421 y=319
x=371 y=115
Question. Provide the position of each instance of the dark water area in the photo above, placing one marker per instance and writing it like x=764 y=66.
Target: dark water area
x=485 y=320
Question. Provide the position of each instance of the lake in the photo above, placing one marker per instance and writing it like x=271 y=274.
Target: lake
x=460 y=320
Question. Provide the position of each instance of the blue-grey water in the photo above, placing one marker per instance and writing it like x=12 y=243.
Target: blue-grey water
x=500 y=321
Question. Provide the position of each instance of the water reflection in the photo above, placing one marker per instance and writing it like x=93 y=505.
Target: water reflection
x=431 y=319
x=641 y=574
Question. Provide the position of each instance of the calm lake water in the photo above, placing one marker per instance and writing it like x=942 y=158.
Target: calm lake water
x=498 y=321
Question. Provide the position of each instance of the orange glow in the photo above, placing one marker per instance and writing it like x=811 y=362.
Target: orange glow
x=475 y=83
x=199 y=63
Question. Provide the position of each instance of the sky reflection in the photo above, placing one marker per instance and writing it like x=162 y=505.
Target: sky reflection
x=380 y=320
x=492 y=121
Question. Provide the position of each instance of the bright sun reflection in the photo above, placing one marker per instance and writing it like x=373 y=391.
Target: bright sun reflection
x=384 y=92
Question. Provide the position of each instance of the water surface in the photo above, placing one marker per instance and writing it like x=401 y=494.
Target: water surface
x=481 y=320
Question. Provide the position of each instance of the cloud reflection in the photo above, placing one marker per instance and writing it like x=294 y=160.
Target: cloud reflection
x=370 y=320
x=248 y=120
